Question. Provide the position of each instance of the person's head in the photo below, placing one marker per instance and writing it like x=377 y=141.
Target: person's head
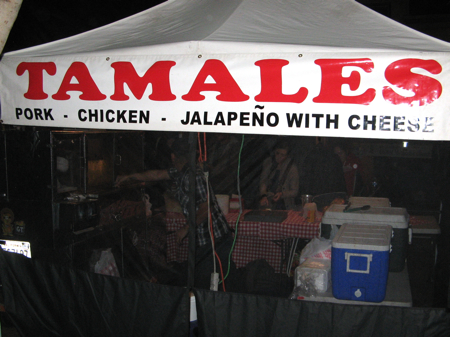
x=282 y=150
x=154 y=200
x=341 y=151
x=180 y=152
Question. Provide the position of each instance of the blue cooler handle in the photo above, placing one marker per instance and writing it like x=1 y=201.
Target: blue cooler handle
x=369 y=259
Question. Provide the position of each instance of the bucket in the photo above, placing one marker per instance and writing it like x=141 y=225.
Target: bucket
x=224 y=203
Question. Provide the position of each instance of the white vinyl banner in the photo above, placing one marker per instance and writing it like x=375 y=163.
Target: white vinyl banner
x=374 y=95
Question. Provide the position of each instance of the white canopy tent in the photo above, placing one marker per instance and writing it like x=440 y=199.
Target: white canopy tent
x=293 y=67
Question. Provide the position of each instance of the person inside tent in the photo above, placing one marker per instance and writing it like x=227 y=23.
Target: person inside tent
x=351 y=166
x=279 y=179
x=179 y=173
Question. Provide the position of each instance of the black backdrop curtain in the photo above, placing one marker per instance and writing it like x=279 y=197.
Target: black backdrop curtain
x=43 y=299
x=228 y=314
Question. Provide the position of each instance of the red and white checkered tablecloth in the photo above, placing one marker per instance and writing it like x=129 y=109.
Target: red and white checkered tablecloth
x=424 y=224
x=255 y=240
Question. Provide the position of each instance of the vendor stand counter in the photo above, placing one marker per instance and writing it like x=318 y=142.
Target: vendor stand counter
x=398 y=293
x=255 y=240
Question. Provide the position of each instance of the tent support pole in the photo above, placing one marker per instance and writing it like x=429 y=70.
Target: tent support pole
x=192 y=210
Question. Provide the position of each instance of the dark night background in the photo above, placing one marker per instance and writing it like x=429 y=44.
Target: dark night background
x=41 y=21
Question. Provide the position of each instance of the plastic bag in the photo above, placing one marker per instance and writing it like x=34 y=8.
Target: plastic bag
x=105 y=263
x=317 y=248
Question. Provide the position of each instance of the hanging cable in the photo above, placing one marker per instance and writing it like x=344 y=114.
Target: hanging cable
x=240 y=207
x=210 y=229
x=200 y=157
x=211 y=234
x=202 y=149
x=221 y=272
x=202 y=160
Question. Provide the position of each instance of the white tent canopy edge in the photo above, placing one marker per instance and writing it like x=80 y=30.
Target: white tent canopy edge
x=315 y=68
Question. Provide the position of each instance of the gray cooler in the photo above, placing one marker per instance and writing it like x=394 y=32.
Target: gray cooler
x=396 y=217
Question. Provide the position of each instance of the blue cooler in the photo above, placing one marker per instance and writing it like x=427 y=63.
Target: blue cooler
x=360 y=262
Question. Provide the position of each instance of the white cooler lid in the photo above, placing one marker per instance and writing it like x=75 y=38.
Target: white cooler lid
x=395 y=216
x=363 y=237
x=374 y=202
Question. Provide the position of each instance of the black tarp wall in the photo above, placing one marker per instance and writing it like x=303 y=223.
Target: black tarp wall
x=43 y=299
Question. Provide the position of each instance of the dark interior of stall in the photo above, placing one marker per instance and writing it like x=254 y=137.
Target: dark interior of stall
x=58 y=193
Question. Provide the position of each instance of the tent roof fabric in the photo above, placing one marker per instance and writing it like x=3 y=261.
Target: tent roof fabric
x=245 y=24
